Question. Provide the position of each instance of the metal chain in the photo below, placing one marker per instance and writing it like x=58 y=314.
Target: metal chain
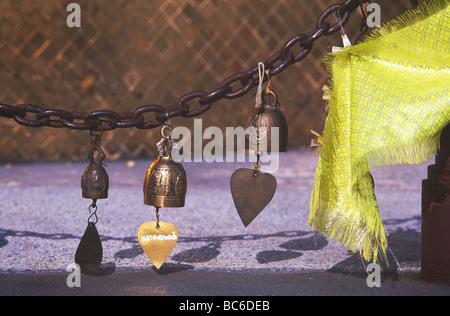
x=245 y=81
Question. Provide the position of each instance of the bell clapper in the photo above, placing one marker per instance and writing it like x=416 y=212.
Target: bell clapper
x=157 y=217
x=256 y=165
x=93 y=211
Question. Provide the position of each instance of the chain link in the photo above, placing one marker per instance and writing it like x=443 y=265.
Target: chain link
x=245 y=81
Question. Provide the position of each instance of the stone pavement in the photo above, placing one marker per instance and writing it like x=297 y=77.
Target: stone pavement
x=43 y=216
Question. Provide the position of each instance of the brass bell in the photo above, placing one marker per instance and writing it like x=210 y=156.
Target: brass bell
x=263 y=118
x=165 y=183
x=95 y=180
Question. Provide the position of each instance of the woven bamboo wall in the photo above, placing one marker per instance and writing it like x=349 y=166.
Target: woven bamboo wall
x=129 y=53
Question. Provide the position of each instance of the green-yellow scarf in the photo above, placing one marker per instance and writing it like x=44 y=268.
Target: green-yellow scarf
x=390 y=100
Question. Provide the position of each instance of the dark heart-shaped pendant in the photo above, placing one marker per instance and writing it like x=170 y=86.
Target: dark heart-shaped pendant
x=252 y=191
x=89 y=253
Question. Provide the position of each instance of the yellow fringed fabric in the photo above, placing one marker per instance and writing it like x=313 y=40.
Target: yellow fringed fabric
x=389 y=102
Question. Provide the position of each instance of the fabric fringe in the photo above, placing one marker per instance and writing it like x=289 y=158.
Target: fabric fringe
x=401 y=154
x=364 y=233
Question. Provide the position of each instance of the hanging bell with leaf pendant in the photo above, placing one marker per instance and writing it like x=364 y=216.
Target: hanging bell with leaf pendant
x=165 y=183
x=94 y=185
x=270 y=126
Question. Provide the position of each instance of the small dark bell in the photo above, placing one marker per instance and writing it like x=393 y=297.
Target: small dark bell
x=95 y=180
x=165 y=183
x=268 y=115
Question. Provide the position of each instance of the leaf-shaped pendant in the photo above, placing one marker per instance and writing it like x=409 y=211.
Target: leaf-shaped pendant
x=89 y=253
x=157 y=241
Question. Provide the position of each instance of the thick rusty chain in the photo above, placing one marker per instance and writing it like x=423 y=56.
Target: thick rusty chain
x=246 y=81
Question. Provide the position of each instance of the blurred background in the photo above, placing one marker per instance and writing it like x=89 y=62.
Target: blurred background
x=129 y=53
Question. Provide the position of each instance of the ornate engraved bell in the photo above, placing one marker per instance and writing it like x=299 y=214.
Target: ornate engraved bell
x=165 y=183
x=95 y=180
x=263 y=118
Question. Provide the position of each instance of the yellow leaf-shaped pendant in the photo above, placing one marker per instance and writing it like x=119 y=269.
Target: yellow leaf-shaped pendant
x=157 y=239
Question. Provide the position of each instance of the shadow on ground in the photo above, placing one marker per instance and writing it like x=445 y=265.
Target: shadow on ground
x=404 y=245
x=405 y=250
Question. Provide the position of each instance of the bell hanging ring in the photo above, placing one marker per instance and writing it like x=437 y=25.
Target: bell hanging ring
x=264 y=119
x=165 y=182
x=95 y=180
